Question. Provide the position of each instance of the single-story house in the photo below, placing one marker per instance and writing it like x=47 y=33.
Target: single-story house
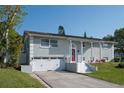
x=49 y=51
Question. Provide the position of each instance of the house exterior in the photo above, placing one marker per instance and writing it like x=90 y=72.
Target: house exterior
x=49 y=51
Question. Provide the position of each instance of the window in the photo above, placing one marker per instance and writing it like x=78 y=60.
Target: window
x=53 y=57
x=45 y=42
x=83 y=58
x=60 y=57
x=37 y=58
x=53 y=43
x=45 y=57
x=48 y=43
x=105 y=45
x=84 y=44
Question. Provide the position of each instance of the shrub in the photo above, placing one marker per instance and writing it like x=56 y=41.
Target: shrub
x=121 y=65
x=17 y=67
x=4 y=65
x=117 y=59
x=122 y=59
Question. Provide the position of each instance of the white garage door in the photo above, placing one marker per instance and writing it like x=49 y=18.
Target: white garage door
x=48 y=64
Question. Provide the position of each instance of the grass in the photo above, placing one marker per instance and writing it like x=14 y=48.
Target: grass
x=109 y=72
x=10 y=78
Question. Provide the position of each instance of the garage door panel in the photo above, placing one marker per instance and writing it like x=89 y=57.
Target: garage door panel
x=46 y=65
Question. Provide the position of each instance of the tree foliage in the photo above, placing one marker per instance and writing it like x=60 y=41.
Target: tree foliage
x=117 y=37
x=108 y=38
x=15 y=45
x=10 y=18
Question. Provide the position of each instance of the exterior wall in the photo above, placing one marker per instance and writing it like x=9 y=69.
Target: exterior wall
x=85 y=68
x=71 y=67
x=36 y=60
x=80 y=67
x=107 y=51
x=61 y=51
x=96 y=51
x=87 y=51
x=26 y=68
x=38 y=50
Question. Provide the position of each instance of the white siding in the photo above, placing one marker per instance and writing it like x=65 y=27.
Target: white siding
x=96 y=51
x=61 y=50
x=106 y=51
x=87 y=51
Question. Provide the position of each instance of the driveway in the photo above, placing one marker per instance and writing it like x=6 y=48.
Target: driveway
x=72 y=80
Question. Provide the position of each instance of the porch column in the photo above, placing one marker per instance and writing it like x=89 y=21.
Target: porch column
x=100 y=44
x=81 y=51
x=91 y=50
x=70 y=48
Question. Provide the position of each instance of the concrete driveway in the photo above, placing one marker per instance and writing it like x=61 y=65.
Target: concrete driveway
x=72 y=80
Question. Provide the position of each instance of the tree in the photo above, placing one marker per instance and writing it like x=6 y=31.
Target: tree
x=10 y=17
x=85 y=35
x=108 y=38
x=119 y=37
x=3 y=43
x=61 y=30
x=15 y=45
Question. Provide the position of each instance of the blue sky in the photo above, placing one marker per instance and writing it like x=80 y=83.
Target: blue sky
x=96 y=21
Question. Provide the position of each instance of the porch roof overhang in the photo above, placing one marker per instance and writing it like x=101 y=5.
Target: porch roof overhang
x=66 y=37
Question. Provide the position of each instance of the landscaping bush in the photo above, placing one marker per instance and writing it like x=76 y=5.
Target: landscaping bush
x=121 y=65
x=17 y=67
x=122 y=59
x=117 y=59
x=4 y=65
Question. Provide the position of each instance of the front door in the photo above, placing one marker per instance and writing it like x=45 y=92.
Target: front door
x=73 y=55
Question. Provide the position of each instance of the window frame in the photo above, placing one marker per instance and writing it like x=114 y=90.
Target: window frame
x=43 y=45
x=53 y=43
x=84 y=45
x=105 y=45
x=49 y=43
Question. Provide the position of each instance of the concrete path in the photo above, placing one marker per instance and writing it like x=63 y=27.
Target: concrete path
x=73 y=80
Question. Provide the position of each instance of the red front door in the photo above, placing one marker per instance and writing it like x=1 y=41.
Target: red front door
x=73 y=54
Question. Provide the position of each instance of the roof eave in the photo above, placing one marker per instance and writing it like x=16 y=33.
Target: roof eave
x=65 y=37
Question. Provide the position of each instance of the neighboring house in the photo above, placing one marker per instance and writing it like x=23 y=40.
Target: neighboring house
x=48 y=51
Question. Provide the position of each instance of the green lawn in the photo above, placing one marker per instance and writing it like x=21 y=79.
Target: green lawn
x=109 y=72
x=10 y=78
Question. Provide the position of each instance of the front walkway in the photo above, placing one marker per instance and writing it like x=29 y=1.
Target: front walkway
x=72 y=80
